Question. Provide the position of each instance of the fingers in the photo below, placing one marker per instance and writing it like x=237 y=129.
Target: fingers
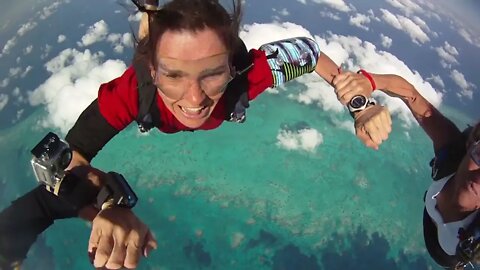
x=118 y=239
x=94 y=239
x=378 y=127
x=117 y=257
x=341 y=76
x=104 y=249
x=365 y=138
x=374 y=132
x=344 y=90
x=151 y=243
x=134 y=248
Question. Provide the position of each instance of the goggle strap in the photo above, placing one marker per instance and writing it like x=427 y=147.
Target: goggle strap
x=245 y=69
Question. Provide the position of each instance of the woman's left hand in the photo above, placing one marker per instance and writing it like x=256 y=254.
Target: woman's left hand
x=349 y=84
x=372 y=125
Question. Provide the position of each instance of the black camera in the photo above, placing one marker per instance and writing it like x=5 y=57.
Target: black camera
x=51 y=156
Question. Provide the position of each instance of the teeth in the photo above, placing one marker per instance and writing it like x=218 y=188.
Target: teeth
x=192 y=110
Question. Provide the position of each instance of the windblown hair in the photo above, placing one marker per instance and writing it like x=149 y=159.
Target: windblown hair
x=190 y=15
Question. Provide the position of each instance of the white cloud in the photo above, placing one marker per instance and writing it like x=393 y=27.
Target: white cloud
x=450 y=49
x=18 y=115
x=386 y=41
x=28 y=50
x=255 y=35
x=61 y=38
x=469 y=37
x=13 y=72
x=390 y=18
x=421 y=23
x=466 y=87
x=9 y=45
x=46 y=51
x=26 y=28
x=371 y=14
x=406 y=25
x=305 y=139
x=3 y=101
x=127 y=40
x=353 y=53
x=447 y=53
x=118 y=49
x=135 y=17
x=26 y=71
x=73 y=84
x=95 y=33
x=16 y=93
x=120 y=41
x=347 y=125
x=437 y=80
x=4 y=83
x=49 y=10
x=339 y=5
x=303 y=1
x=284 y=12
x=360 y=21
x=406 y=6
x=330 y=15
x=114 y=37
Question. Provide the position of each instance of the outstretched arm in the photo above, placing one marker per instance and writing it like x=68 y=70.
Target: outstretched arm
x=326 y=68
x=439 y=128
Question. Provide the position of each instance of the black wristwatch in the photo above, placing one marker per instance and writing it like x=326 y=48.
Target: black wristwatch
x=116 y=191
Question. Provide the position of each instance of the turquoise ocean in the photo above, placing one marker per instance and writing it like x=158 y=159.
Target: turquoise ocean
x=233 y=198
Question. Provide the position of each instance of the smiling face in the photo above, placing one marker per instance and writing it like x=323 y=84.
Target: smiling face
x=191 y=73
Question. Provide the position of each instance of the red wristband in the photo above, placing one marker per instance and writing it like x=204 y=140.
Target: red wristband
x=369 y=77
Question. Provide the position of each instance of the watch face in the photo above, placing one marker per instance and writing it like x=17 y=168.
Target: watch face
x=358 y=102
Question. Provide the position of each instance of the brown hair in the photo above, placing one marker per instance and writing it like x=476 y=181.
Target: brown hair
x=190 y=15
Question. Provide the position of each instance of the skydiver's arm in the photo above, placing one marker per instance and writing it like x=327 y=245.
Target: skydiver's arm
x=326 y=68
x=439 y=128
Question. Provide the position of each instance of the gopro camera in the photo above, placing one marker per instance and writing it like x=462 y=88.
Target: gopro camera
x=51 y=156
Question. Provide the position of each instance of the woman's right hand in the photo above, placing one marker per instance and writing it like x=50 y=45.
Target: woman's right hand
x=118 y=239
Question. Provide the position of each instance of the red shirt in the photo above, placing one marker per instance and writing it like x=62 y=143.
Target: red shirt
x=118 y=99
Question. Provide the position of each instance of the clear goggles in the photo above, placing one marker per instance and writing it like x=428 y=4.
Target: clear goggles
x=174 y=77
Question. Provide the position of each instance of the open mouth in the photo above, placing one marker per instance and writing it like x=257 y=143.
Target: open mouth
x=194 y=112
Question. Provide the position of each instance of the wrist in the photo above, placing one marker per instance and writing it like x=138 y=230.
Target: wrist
x=116 y=191
x=369 y=78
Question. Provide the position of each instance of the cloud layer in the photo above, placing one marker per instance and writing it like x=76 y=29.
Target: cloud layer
x=73 y=85
x=305 y=139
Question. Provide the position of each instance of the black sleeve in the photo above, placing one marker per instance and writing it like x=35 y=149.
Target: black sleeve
x=91 y=132
x=26 y=218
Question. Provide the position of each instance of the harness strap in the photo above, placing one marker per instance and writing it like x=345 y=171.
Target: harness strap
x=237 y=91
x=148 y=114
